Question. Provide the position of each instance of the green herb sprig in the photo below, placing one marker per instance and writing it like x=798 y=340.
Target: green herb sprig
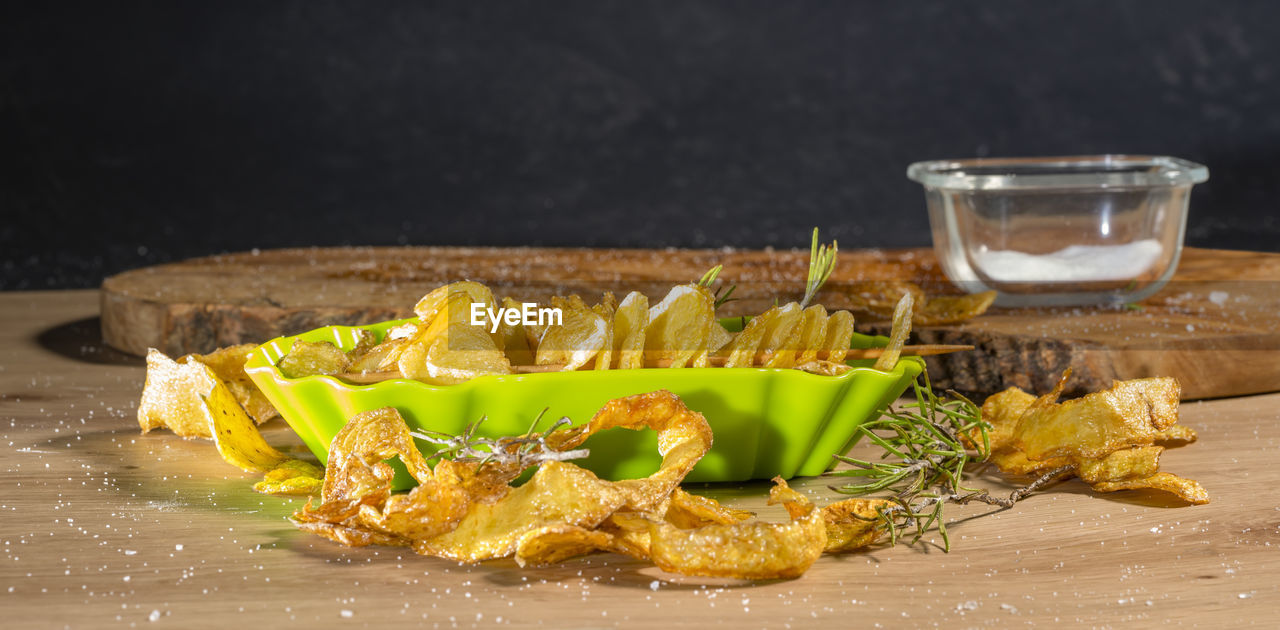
x=721 y=294
x=932 y=440
x=822 y=261
x=527 y=450
x=928 y=439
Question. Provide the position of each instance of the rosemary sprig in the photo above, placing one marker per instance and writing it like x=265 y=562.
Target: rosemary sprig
x=721 y=294
x=822 y=261
x=930 y=443
x=710 y=276
x=526 y=450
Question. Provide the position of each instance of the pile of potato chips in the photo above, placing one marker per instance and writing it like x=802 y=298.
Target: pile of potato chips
x=467 y=511
x=443 y=347
x=1111 y=439
x=210 y=396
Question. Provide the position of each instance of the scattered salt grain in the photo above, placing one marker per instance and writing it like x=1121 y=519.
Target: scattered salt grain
x=1219 y=297
x=154 y=616
x=654 y=585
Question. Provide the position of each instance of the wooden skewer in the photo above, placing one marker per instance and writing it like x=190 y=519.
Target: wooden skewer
x=715 y=361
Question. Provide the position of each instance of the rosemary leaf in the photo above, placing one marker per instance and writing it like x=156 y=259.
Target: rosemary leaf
x=527 y=450
x=822 y=261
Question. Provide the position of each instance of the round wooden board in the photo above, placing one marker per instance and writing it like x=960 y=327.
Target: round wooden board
x=1214 y=327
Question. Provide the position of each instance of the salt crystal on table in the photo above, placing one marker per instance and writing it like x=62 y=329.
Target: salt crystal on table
x=1219 y=297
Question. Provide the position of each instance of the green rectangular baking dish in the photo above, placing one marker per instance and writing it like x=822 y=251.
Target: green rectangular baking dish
x=766 y=422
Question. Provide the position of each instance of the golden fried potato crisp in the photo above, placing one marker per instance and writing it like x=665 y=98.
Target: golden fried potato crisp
x=1111 y=440
x=680 y=330
x=188 y=398
x=467 y=511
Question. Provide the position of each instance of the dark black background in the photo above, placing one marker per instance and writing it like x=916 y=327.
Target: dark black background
x=134 y=133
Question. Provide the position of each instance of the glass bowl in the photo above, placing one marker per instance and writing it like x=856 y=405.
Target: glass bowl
x=1056 y=231
x=766 y=422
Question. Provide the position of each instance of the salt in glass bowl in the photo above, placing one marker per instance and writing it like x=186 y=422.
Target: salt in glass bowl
x=1058 y=231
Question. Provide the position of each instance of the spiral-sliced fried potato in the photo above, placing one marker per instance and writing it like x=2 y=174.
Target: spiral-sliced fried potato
x=629 y=325
x=466 y=511
x=582 y=335
x=679 y=327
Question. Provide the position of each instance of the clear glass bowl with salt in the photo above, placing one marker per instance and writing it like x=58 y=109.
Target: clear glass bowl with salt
x=1059 y=231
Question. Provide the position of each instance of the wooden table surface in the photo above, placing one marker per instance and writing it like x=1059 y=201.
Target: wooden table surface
x=103 y=527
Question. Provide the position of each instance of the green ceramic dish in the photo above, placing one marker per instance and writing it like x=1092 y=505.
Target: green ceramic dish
x=766 y=422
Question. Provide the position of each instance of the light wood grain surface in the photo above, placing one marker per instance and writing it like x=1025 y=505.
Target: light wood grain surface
x=103 y=527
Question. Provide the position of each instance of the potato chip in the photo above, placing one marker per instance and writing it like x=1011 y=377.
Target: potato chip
x=1185 y=489
x=1176 y=435
x=358 y=452
x=823 y=368
x=292 y=478
x=357 y=480
x=718 y=338
x=467 y=511
x=746 y=344
x=879 y=299
x=1110 y=439
x=557 y=543
x=384 y=356
x=306 y=358
x=952 y=309
x=580 y=337
x=606 y=309
x=429 y=307
x=514 y=337
x=439 y=313
x=813 y=333
x=171 y=396
x=235 y=434
x=450 y=350
x=190 y=399
x=853 y=523
x=629 y=324
x=228 y=365
x=437 y=506
x=751 y=550
x=683 y=438
x=679 y=327
x=850 y=524
x=624 y=532
x=898 y=335
x=1129 y=413
x=557 y=494
x=688 y=511
x=839 y=335
x=1130 y=463
x=782 y=335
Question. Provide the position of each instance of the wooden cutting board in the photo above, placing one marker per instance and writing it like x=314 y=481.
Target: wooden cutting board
x=1216 y=326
